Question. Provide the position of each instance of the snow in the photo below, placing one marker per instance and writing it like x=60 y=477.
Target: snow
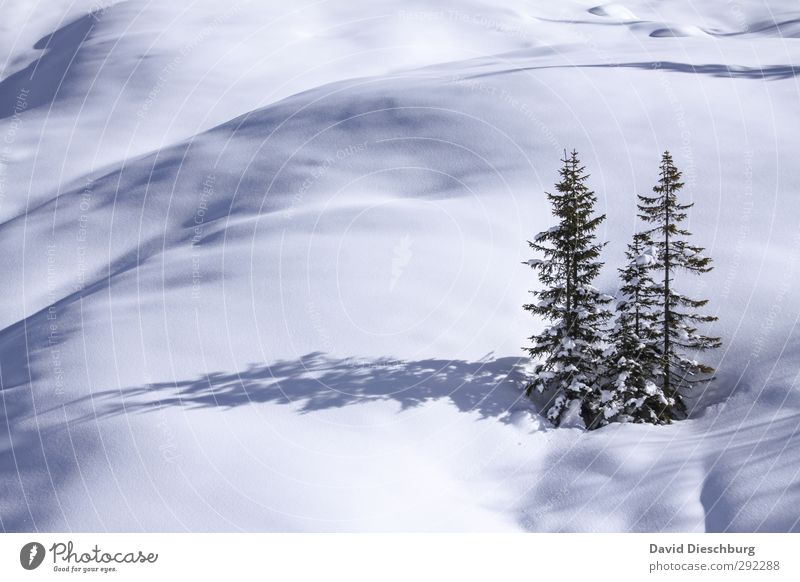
x=611 y=410
x=612 y=10
x=262 y=262
x=675 y=31
x=542 y=235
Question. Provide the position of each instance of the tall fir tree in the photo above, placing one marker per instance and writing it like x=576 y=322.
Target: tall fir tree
x=570 y=349
x=632 y=392
x=678 y=318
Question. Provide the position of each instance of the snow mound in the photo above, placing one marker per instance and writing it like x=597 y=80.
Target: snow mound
x=678 y=30
x=613 y=10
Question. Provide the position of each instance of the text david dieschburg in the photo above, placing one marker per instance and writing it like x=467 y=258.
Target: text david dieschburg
x=690 y=548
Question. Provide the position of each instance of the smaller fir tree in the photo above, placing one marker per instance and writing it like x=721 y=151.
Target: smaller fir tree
x=678 y=316
x=632 y=392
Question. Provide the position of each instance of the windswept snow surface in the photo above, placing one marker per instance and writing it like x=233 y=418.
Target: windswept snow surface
x=262 y=261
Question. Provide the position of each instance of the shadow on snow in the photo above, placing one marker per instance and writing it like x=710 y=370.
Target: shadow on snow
x=491 y=388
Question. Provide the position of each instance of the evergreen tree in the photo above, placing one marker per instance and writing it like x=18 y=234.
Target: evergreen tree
x=632 y=392
x=570 y=349
x=678 y=320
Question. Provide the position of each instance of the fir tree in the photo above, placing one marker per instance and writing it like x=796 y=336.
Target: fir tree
x=678 y=318
x=570 y=349
x=632 y=392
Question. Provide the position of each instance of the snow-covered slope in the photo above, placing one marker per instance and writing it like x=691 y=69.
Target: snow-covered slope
x=262 y=264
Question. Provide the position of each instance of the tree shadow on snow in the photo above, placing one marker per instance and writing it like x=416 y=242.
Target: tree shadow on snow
x=491 y=388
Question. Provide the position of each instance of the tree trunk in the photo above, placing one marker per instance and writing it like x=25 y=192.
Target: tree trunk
x=667 y=387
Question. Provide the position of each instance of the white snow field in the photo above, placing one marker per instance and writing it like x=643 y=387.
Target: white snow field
x=261 y=261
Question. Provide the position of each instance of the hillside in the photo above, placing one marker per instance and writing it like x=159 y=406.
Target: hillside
x=262 y=264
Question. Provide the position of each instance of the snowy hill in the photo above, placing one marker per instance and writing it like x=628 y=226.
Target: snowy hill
x=262 y=264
